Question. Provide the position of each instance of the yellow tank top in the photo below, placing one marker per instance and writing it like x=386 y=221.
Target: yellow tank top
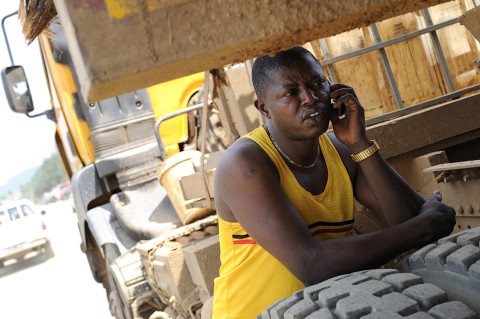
x=250 y=279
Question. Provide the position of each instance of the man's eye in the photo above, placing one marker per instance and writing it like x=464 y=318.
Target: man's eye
x=289 y=93
x=318 y=83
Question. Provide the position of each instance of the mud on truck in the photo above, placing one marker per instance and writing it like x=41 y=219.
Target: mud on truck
x=142 y=163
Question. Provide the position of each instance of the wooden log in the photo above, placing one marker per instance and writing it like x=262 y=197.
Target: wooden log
x=428 y=130
x=120 y=45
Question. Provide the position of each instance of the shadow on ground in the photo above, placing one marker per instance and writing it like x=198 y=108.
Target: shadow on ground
x=30 y=260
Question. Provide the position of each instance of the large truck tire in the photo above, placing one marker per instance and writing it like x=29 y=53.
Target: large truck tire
x=370 y=294
x=452 y=263
x=116 y=307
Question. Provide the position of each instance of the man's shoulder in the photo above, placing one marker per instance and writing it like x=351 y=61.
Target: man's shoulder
x=244 y=150
x=245 y=159
x=243 y=165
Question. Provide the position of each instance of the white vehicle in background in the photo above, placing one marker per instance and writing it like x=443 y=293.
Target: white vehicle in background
x=22 y=230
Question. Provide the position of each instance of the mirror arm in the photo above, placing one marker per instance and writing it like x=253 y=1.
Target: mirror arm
x=50 y=114
x=5 y=34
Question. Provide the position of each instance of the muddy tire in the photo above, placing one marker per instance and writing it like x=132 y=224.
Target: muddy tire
x=373 y=294
x=95 y=259
x=116 y=307
x=453 y=264
x=48 y=250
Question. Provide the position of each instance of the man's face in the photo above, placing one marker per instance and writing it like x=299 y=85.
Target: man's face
x=298 y=99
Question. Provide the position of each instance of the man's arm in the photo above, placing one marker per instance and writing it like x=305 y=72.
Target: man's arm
x=247 y=190
x=397 y=200
x=376 y=183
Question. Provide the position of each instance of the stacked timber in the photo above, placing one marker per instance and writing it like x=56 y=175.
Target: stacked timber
x=414 y=62
x=459 y=45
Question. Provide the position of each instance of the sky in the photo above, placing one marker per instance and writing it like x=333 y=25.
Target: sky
x=24 y=142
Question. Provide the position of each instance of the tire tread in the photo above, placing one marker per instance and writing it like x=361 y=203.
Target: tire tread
x=379 y=293
x=452 y=263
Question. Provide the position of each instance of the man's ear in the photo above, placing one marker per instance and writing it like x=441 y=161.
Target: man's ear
x=262 y=107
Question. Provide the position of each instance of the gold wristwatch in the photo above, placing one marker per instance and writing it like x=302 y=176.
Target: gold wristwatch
x=366 y=153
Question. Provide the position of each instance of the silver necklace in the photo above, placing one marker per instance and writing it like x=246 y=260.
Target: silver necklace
x=288 y=158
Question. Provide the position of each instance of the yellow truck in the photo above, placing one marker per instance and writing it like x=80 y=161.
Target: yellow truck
x=142 y=162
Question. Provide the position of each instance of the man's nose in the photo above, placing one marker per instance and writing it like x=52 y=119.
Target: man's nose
x=309 y=96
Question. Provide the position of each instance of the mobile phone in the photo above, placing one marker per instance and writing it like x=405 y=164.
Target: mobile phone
x=341 y=109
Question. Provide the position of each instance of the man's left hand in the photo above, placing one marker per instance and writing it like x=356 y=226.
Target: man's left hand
x=350 y=129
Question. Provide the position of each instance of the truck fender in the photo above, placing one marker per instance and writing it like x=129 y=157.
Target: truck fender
x=99 y=222
x=85 y=188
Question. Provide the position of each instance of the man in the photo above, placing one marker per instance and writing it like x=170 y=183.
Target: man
x=284 y=193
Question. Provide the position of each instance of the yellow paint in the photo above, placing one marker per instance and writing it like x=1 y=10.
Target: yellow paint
x=166 y=98
x=169 y=97
x=119 y=9
x=64 y=85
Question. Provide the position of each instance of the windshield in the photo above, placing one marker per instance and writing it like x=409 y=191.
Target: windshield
x=27 y=211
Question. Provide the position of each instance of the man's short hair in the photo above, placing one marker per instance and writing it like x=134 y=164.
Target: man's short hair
x=266 y=64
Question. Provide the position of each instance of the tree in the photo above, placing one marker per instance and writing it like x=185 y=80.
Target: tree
x=51 y=173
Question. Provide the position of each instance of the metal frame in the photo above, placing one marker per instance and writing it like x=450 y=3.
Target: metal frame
x=161 y=145
x=388 y=69
x=5 y=34
x=438 y=50
x=380 y=46
x=384 y=44
x=50 y=114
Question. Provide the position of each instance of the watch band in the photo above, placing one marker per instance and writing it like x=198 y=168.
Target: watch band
x=366 y=153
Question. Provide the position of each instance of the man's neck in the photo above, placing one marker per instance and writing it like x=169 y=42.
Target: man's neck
x=303 y=153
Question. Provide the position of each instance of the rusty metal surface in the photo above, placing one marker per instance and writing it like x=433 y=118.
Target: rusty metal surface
x=463 y=196
x=459 y=183
x=166 y=270
x=470 y=20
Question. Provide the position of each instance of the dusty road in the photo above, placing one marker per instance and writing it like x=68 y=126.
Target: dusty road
x=61 y=287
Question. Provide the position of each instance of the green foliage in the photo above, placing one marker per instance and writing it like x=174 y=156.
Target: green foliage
x=14 y=185
x=50 y=173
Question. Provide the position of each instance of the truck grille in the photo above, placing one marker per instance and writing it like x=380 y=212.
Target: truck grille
x=119 y=136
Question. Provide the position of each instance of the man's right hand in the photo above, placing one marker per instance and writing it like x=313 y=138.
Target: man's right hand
x=438 y=219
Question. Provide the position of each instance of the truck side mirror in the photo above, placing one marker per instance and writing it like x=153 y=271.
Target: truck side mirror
x=16 y=89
